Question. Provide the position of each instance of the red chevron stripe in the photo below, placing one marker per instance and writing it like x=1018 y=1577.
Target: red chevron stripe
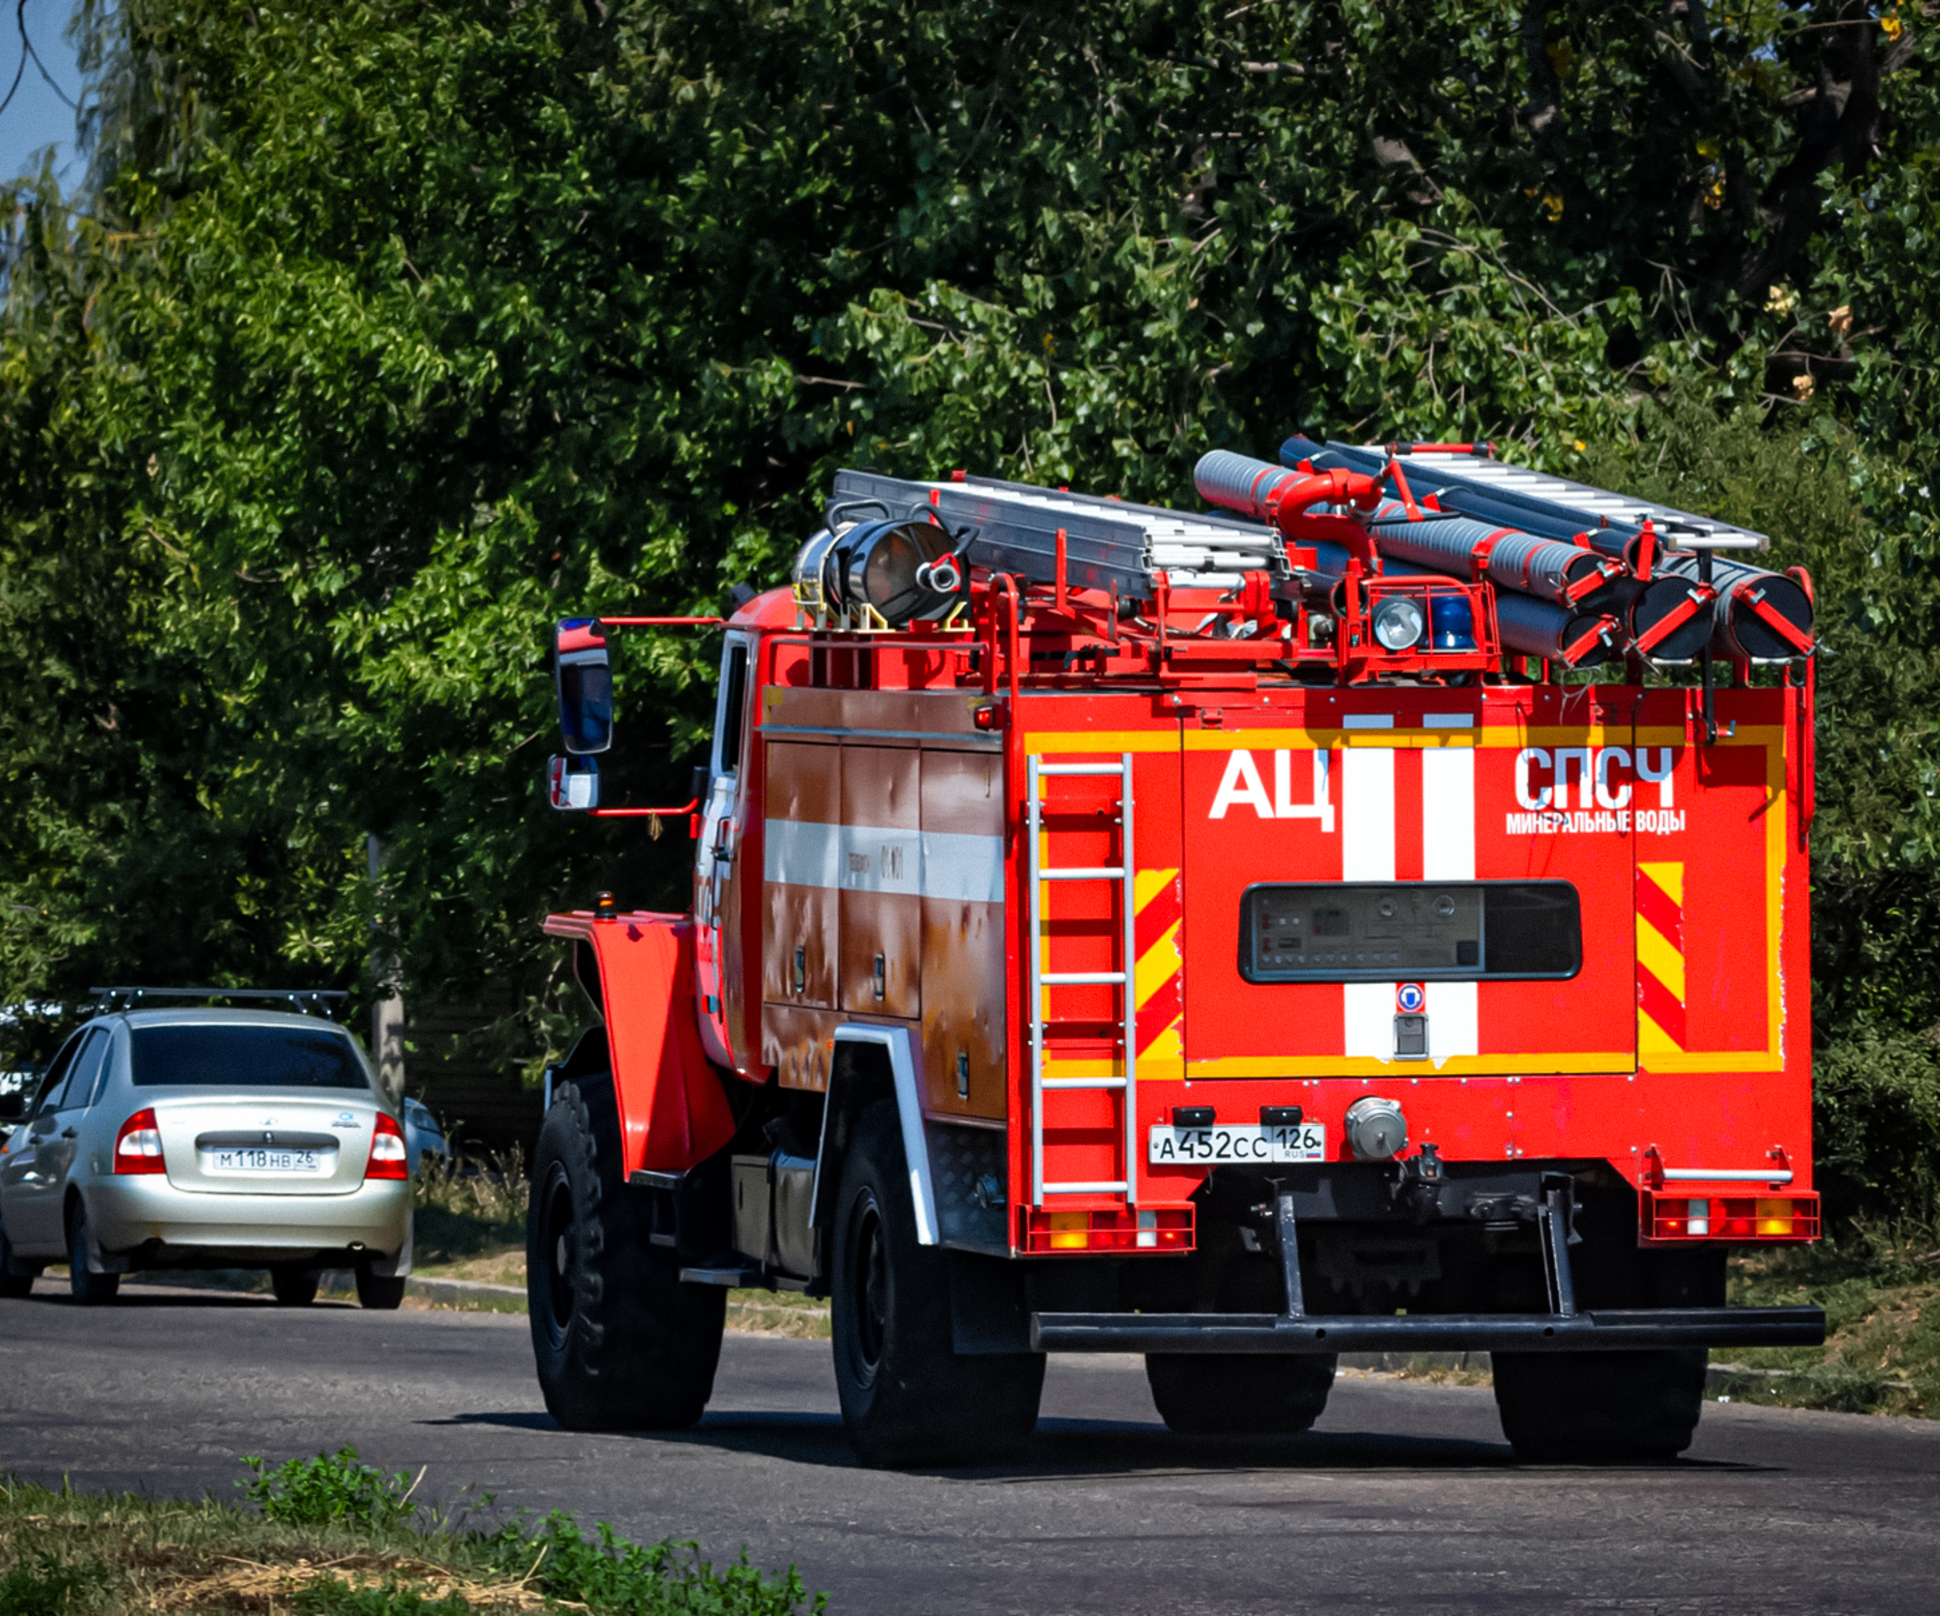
x=1657 y=1002
x=1157 y=1014
x=1657 y=907
x=1160 y=913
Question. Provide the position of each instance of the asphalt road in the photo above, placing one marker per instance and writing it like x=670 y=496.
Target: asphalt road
x=1404 y=1498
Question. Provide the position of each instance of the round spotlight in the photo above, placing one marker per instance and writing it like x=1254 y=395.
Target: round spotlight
x=1398 y=624
x=1376 y=1129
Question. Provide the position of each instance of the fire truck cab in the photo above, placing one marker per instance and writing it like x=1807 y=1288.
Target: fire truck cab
x=1230 y=938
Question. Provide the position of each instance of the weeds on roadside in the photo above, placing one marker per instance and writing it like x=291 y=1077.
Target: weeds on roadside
x=492 y=1191
x=47 y=1587
x=1879 y=1283
x=335 y=1537
x=328 y=1489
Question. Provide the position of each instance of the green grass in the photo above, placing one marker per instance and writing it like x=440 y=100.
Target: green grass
x=1880 y=1288
x=330 y=1536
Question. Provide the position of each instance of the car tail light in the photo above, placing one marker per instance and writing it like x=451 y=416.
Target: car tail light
x=388 y=1157
x=138 y=1147
x=1168 y=1229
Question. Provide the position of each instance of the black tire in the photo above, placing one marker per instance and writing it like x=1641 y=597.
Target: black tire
x=621 y=1344
x=1599 y=1407
x=1239 y=1394
x=90 y=1290
x=381 y=1293
x=907 y=1397
x=16 y=1277
x=294 y=1285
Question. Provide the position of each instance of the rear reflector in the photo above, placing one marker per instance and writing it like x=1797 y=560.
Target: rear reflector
x=388 y=1157
x=1167 y=1230
x=1730 y=1217
x=138 y=1147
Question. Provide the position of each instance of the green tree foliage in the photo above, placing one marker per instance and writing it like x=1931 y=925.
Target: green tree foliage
x=381 y=335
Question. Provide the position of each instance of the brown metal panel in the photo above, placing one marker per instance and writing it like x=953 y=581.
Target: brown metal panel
x=800 y=944
x=881 y=785
x=800 y=918
x=965 y=998
x=964 y=1005
x=882 y=910
x=804 y=782
x=882 y=954
x=795 y=1042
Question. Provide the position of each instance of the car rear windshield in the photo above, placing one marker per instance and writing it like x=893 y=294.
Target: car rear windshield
x=244 y=1058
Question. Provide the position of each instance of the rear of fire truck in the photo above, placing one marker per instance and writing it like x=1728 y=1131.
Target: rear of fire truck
x=1238 y=938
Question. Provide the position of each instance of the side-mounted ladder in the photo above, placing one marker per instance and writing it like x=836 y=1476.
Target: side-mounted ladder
x=1124 y=874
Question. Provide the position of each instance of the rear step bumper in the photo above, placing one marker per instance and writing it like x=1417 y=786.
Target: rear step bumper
x=1602 y=1331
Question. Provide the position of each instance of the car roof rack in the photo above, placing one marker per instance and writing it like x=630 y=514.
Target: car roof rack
x=306 y=1001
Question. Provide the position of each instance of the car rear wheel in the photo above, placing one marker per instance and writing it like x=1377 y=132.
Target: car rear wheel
x=382 y=1293
x=620 y=1343
x=1221 y=1394
x=16 y=1277
x=293 y=1284
x=90 y=1290
x=908 y=1397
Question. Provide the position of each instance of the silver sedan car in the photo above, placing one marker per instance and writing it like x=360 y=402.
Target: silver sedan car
x=208 y=1139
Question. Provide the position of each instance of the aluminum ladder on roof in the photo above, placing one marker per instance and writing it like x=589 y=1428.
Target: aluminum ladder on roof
x=1124 y=873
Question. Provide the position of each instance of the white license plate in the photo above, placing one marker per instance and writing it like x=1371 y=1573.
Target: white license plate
x=262 y=1161
x=1239 y=1142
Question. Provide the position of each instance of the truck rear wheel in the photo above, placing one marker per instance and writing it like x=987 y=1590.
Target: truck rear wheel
x=1588 y=1407
x=1239 y=1394
x=908 y=1398
x=621 y=1343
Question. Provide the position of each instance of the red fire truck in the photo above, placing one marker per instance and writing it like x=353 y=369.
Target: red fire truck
x=1232 y=937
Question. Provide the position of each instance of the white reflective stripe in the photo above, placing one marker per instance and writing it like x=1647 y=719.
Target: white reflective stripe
x=1448 y=854
x=1367 y=813
x=1448 y=814
x=1368 y=1019
x=962 y=868
x=949 y=865
x=1367 y=854
x=802 y=852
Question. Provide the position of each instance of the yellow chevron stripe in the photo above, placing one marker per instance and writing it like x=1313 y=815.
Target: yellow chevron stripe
x=1148 y=884
x=1158 y=966
x=1653 y=1040
x=1669 y=876
x=1655 y=954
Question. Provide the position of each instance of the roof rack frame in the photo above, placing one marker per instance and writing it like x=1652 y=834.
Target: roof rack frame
x=305 y=1001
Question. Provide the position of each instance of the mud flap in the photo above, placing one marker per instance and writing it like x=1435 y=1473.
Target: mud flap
x=673 y=1113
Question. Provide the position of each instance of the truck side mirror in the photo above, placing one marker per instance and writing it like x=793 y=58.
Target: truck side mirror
x=572 y=782
x=584 y=679
x=13 y=1105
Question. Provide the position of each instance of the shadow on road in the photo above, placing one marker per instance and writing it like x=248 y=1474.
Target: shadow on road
x=1101 y=1450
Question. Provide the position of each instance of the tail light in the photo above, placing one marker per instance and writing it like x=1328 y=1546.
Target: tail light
x=138 y=1147
x=1730 y=1217
x=1168 y=1229
x=388 y=1157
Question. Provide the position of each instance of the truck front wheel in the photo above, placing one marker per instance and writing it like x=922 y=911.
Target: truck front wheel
x=621 y=1343
x=908 y=1398
x=1235 y=1394
x=1589 y=1407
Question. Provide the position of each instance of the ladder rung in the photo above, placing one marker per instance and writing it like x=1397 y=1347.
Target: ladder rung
x=1050 y=1083
x=1080 y=873
x=1101 y=1188
x=1073 y=978
x=1079 y=768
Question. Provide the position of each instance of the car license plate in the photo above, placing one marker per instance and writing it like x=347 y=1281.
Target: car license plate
x=1239 y=1142
x=262 y=1161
